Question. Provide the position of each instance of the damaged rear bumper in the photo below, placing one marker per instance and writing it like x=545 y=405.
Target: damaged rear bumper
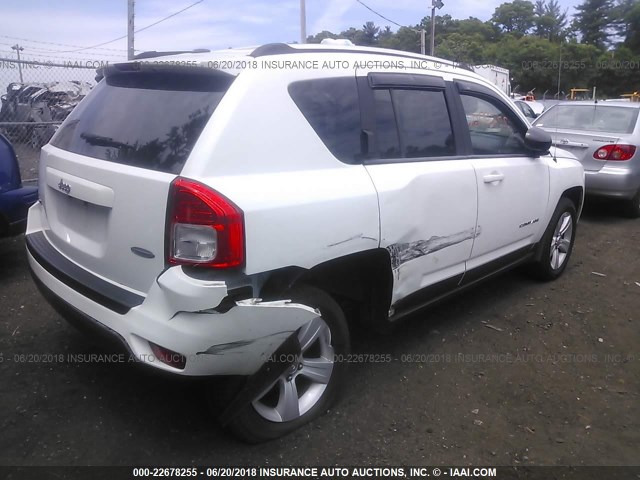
x=177 y=314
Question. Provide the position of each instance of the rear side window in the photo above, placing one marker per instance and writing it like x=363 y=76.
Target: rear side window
x=146 y=119
x=331 y=107
x=413 y=124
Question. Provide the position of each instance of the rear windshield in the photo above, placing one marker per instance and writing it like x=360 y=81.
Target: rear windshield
x=592 y=118
x=144 y=119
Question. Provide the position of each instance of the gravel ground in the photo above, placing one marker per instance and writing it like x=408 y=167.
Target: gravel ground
x=515 y=372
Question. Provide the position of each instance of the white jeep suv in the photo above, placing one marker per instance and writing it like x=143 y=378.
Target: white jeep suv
x=217 y=213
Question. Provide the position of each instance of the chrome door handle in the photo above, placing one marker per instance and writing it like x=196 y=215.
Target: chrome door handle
x=493 y=177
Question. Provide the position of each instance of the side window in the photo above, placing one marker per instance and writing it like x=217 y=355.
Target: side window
x=331 y=107
x=493 y=129
x=527 y=110
x=386 y=126
x=423 y=120
x=413 y=124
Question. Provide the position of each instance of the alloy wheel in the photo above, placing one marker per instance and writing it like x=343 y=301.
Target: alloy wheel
x=297 y=390
x=561 y=241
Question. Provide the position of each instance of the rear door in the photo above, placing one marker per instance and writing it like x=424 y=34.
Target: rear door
x=105 y=177
x=427 y=193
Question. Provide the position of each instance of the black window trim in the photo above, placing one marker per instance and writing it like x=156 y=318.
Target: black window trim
x=406 y=81
x=397 y=81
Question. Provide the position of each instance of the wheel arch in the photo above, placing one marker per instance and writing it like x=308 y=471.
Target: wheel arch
x=576 y=195
x=362 y=280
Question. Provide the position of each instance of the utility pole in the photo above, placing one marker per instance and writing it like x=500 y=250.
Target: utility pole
x=303 y=22
x=18 y=49
x=434 y=4
x=423 y=41
x=130 y=28
x=432 y=48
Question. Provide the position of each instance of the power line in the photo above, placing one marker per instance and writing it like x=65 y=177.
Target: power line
x=37 y=55
x=378 y=14
x=136 y=31
x=58 y=44
x=49 y=50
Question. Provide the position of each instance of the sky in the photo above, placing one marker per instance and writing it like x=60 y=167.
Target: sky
x=53 y=31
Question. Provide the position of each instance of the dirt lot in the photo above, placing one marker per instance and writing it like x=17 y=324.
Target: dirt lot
x=514 y=372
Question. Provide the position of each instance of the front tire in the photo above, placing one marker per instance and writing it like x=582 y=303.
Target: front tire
x=557 y=242
x=302 y=394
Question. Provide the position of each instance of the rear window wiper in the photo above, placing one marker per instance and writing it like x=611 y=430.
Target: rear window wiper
x=99 y=140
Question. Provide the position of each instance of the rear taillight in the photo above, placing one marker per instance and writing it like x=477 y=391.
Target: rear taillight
x=203 y=227
x=615 y=152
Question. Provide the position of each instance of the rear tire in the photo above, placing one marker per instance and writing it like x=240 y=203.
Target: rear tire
x=557 y=242
x=299 y=397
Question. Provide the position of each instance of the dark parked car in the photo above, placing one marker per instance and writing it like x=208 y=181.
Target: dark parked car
x=15 y=199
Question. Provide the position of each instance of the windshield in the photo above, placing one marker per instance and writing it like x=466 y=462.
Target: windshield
x=145 y=119
x=592 y=118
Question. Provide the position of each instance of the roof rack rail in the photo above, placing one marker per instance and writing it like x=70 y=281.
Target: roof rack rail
x=153 y=53
x=283 y=49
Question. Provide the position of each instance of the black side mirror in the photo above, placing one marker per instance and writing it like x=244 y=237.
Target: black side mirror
x=537 y=140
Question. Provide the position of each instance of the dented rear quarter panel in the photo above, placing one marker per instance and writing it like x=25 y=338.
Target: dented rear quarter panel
x=302 y=206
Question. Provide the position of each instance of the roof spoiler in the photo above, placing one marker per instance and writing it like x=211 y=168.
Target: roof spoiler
x=151 y=67
x=153 y=53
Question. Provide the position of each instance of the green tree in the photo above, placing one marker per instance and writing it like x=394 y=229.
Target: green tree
x=627 y=23
x=474 y=26
x=350 y=34
x=463 y=48
x=515 y=17
x=406 y=39
x=385 y=35
x=550 y=21
x=632 y=37
x=368 y=35
x=321 y=36
x=615 y=76
x=593 y=20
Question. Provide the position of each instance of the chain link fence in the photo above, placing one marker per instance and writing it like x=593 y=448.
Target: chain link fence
x=36 y=97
